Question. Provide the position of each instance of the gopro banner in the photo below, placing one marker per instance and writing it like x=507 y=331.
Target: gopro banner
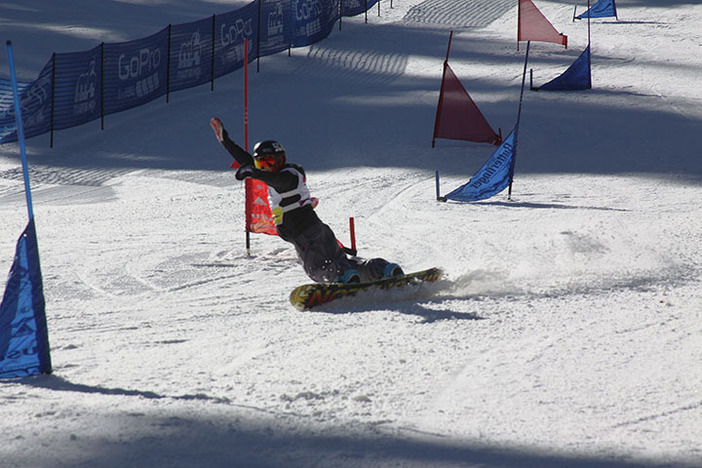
x=77 y=87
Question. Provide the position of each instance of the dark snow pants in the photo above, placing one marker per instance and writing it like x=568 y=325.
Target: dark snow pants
x=323 y=259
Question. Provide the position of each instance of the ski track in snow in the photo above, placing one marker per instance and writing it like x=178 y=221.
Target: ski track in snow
x=458 y=13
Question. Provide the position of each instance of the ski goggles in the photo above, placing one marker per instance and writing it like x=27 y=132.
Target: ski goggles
x=265 y=162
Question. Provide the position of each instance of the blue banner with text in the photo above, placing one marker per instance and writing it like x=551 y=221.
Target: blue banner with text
x=78 y=87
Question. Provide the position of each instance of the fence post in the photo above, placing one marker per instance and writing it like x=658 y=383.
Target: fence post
x=214 y=20
x=168 y=67
x=102 y=86
x=53 y=97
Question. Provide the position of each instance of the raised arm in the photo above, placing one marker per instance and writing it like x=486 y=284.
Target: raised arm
x=237 y=152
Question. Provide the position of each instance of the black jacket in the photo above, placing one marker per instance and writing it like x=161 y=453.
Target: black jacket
x=294 y=222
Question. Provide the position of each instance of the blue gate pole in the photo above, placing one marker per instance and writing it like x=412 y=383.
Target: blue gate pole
x=438 y=193
x=20 y=131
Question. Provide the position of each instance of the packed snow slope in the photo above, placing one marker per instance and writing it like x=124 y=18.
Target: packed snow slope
x=567 y=332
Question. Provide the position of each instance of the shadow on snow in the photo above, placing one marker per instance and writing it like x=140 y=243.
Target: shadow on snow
x=257 y=438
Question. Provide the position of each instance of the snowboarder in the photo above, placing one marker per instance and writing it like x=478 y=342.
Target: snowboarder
x=296 y=221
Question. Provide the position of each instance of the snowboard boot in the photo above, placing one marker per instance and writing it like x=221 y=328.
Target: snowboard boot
x=392 y=270
x=349 y=276
x=218 y=128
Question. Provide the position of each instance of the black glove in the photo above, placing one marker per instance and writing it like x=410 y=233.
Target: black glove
x=244 y=172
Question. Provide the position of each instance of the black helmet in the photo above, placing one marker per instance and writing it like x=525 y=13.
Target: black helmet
x=269 y=155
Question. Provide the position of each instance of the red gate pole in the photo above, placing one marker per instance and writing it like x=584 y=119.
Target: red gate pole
x=352 y=228
x=441 y=92
x=247 y=184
